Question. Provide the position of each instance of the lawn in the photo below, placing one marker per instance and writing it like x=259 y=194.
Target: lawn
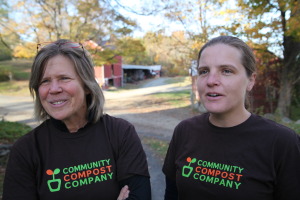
x=14 y=76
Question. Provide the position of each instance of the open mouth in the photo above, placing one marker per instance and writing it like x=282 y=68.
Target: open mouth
x=213 y=95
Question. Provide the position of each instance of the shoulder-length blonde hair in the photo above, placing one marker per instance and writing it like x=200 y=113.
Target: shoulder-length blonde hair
x=84 y=67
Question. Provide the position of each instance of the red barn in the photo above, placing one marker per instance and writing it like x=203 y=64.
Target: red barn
x=110 y=74
x=265 y=92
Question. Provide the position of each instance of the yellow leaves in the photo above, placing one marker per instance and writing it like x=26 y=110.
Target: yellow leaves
x=28 y=50
x=179 y=35
x=156 y=58
x=197 y=45
x=20 y=4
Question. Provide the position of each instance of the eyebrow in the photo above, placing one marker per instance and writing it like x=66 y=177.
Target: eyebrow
x=220 y=66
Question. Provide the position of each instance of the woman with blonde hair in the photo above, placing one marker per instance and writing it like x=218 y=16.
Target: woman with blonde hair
x=77 y=152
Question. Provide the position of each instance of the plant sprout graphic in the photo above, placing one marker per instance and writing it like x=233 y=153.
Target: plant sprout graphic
x=54 y=184
x=187 y=169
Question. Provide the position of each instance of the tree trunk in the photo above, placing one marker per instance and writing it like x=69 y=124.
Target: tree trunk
x=288 y=75
x=285 y=94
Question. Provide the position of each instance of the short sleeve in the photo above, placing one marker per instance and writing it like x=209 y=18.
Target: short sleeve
x=287 y=158
x=169 y=168
x=132 y=158
x=129 y=153
x=20 y=181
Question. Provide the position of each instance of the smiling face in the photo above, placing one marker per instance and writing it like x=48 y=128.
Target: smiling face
x=62 y=93
x=222 y=81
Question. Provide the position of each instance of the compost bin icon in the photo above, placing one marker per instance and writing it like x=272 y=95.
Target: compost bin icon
x=54 y=184
x=187 y=169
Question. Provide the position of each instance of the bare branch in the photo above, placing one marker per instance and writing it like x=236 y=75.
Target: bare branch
x=4 y=43
x=151 y=12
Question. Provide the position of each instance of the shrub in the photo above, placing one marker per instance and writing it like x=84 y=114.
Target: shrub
x=20 y=76
x=4 y=74
x=5 y=54
x=11 y=131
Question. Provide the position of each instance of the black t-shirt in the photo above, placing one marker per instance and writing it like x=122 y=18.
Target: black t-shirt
x=51 y=163
x=258 y=159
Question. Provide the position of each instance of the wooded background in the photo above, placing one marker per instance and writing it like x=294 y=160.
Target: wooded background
x=270 y=27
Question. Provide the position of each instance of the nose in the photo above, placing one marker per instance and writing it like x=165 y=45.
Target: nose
x=55 y=87
x=213 y=79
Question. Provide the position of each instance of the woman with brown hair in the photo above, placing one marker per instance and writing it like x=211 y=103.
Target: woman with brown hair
x=228 y=152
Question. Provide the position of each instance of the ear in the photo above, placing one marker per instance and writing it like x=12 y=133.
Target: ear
x=251 y=82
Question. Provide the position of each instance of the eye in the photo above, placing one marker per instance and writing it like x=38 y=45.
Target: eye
x=227 y=71
x=44 y=81
x=202 y=71
x=64 y=78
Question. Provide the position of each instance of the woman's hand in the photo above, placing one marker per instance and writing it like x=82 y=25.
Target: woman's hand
x=124 y=193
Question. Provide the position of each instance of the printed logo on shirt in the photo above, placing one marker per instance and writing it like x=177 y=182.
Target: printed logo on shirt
x=215 y=173
x=54 y=184
x=80 y=175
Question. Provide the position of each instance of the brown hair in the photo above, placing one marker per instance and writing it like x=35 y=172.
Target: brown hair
x=248 y=59
x=84 y=68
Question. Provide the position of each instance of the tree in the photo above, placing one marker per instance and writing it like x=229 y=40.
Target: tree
x=200 y=19
x=172 y=52
x=132 y=50
x=270 y=26
x=8 y=36
x=77 y=20
x=274 y=24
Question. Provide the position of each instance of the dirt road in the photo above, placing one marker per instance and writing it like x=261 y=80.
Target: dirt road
x=147 y=115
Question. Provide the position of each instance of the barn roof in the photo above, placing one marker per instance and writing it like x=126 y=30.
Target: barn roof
x=151 y=67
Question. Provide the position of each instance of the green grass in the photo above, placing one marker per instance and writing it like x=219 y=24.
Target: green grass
x=295 y=112
x=14 y=88
x=277 y=118
x=16 y=65
x=126 y=86
x=292 y=125
x=20 y=72
x=17 y=69
x=20 y=76
x=158 y=146
x=11 y=131
x=177 y=99
x=178 y=79
x=295 y=127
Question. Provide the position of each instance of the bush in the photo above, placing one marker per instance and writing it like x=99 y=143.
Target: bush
x=4 y=74
x=4 y=77
x=5 y=54
x=11 y=131
x=21 y=76
x=295 y=112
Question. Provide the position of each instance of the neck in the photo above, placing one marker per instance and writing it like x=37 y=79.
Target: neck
x=229 y=120
x=74 y=127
